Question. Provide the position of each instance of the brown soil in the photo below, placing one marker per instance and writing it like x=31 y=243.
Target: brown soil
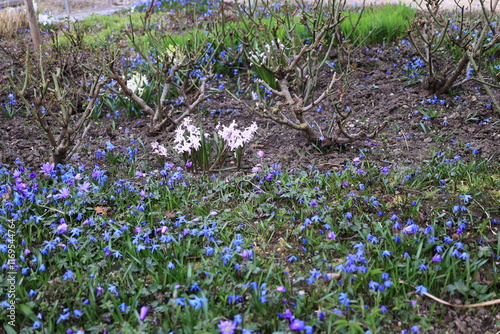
x=376 y=93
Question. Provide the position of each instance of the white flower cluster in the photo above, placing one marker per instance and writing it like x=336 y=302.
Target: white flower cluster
x=159 y=149
x=269 y=49
x=137 y=83
x=187 y=137
x=234 y=137
x=42 y=17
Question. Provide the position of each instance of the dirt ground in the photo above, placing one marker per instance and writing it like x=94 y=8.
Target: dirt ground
x=465 y=123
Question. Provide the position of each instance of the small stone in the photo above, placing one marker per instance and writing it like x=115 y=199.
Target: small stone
x=428 y=140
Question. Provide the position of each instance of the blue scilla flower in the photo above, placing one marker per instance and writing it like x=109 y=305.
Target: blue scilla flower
x=63 y=316
x=464 y=256
x=197 y=302
x=344 y=299
x=372 y=239
x=180 y=301
x=387 y=253
x=421 y=290
x=234 y=299
x=112 y=288
x=12 y=99
x=123 y=307
x=110 y=146
x=68 y=275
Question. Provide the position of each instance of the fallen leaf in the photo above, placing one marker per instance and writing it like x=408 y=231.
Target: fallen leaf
x=105 y=211
x=171 y=215
x=8 y=194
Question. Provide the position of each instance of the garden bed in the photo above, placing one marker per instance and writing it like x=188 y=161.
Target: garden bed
x=346 y=238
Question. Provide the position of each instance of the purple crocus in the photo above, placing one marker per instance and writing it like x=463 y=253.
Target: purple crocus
x=227 y=327
x=144 y=313
x=21 y=186
x=297 y=325
x=63 y=193
x=47 y=168
x=84 y=187
x=99 y=289
x=437 y=258
x=288 y=315
x=331 y=235
x=245 y=254
x=62 y=228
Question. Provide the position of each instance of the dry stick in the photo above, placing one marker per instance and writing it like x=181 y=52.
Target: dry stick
x=486 y=86
x=406 y=142
x=488 y=215
x=49 y=208
x=331 y=164
x=488 y=303
x=78 y=143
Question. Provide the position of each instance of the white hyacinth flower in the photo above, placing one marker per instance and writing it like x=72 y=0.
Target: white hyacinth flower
x=137 y=83
x=187 y=137
x=234 y=137
x=159 y=149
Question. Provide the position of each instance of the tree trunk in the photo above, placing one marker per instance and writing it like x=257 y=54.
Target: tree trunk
x=33 y=22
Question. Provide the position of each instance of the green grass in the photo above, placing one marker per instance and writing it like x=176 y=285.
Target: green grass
x=378 y=24
x=100 y=30
x=199 y=250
